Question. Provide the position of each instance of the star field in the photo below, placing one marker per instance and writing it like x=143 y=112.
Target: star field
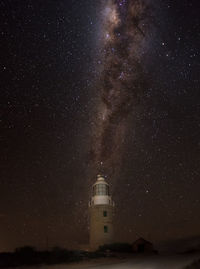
x=50 y=66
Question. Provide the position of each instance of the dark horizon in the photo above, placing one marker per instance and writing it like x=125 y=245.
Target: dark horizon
x=65 y=118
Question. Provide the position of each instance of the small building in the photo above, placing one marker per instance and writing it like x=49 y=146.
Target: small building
x=142 y=246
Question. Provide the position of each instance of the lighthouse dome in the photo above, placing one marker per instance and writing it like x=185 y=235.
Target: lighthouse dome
x=101 y=178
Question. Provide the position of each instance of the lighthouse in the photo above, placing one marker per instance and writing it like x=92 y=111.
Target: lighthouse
x=101 y=209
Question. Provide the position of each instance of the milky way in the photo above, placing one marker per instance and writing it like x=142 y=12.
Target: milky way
x=50 y=110
x=125 y=28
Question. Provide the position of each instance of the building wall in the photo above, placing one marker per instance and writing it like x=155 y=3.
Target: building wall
x=99 y=234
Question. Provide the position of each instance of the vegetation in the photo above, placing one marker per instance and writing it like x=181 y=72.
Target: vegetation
x=195 y=265
x=30 y=256
x=117 y=247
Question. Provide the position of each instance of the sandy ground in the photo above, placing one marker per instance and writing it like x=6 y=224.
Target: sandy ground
x=139 y=262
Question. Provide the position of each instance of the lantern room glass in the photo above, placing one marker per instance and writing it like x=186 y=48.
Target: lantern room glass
x=101 y=189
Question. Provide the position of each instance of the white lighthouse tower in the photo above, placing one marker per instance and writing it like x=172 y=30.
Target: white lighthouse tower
x=101 y=214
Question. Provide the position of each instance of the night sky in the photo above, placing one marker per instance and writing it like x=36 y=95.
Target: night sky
x=92 y=87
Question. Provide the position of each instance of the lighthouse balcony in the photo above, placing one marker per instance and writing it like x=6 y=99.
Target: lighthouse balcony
x=101 y=200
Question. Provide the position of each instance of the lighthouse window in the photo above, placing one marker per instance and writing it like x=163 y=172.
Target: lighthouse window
x=101 y=189
x=105 y=229
x=105 y=213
